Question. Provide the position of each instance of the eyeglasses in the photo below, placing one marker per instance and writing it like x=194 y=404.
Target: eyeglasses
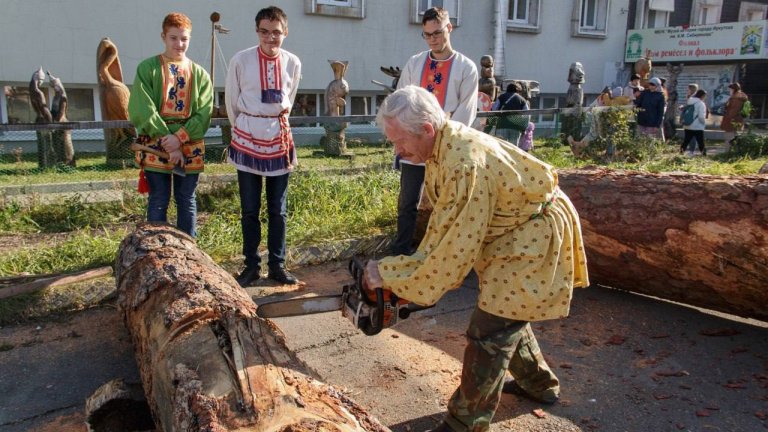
x=266 y=33
x=434 y=34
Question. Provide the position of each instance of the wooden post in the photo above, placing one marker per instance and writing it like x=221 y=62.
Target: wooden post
x=206 y=361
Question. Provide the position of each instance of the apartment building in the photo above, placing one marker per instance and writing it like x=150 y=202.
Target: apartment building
x=716 y=42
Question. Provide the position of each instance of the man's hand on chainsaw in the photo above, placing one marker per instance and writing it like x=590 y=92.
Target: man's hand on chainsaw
x=372 y=280
x=372 y=277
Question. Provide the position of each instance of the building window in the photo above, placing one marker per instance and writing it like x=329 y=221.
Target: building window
x=18 y=105
x=751 y=11
x=343 y=3
x=591 y=18
x=523 y=15
x=518 y=11
x=306 y=105
x=80 y=104
x=654 y=13
x=545 y=101
x=707 y=15
x=706 y=12
x=418 y=7
x=657 y=19
x=337 y=8
x=588 y=14
x=360 y=105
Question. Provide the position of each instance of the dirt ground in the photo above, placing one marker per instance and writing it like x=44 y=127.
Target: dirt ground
x=626 y=363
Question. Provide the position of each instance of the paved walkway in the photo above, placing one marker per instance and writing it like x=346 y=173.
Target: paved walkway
x=626 y=362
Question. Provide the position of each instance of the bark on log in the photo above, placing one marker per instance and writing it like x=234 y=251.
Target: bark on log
x=696 y=239
x=206 y=362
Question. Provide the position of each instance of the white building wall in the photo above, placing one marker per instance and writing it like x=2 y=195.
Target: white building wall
x=62 y=36
x=546 y=56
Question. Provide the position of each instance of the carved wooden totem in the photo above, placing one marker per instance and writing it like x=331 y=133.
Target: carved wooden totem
x=114 y=95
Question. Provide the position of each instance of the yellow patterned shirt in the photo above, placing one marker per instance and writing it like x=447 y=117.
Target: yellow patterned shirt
x=499 y=210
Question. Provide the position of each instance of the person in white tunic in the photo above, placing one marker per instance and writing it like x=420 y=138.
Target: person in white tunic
x=452 y=78
x=260 y=89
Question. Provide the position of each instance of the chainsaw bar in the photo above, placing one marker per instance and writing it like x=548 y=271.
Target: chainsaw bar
x=300 y=306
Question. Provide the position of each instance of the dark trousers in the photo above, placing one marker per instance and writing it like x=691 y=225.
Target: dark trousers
x=496 y=345
x=411 y=184
x=160 y=185
x=690 y=134
x=250 y=205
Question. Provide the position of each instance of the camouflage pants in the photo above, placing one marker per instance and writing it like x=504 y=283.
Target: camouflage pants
x=496 y=345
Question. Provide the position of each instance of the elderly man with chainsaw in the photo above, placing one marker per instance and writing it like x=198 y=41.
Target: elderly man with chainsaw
x=499 y=210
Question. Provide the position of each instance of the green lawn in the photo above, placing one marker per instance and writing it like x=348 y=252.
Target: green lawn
x=329 y=199
x=93 y=167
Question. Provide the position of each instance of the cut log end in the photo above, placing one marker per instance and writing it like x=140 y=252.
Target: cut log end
x=206 y=361
x=118 y=406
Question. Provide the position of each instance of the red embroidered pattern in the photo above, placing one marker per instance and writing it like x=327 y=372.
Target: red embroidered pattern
x=434 y=77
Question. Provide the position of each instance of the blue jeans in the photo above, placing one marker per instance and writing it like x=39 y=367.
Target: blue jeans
x=183 y=193
x=250 y=205
x=411 y=183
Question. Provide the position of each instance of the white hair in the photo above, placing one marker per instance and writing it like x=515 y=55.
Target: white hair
x=412 y=107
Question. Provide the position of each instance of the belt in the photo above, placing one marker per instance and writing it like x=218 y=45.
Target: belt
x=544 y=206
x=285 y=133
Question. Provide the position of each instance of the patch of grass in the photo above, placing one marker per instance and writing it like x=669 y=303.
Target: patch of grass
x=321 y=207
x=665 y=159
x=6 y=347
x=70 y=215
x=81 y=251
x=23 y=170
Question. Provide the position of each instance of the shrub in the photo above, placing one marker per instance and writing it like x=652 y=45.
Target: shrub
x=616 y=139
x=750 y=144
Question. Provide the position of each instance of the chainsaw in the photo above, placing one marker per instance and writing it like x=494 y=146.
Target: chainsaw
x=369 y=311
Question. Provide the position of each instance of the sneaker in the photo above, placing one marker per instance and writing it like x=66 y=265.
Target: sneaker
x=512 y=387
x=248 y=276
x=280 y=274
x=690 y=153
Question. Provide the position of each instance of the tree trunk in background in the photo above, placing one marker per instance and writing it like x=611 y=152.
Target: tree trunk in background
x=696 y=239
x=206 y=361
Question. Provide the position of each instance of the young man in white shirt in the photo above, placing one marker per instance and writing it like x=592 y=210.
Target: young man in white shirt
x=261 y=87
x=453 y=79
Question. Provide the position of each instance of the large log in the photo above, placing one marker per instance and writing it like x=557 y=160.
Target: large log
x=696 y=239
x=206 y=362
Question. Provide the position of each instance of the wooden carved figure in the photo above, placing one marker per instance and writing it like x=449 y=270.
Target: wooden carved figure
x=62 y=138
x=337 y=90
x=334 y=141
x=37 y=97
x=487 y=82
x=114 y=96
